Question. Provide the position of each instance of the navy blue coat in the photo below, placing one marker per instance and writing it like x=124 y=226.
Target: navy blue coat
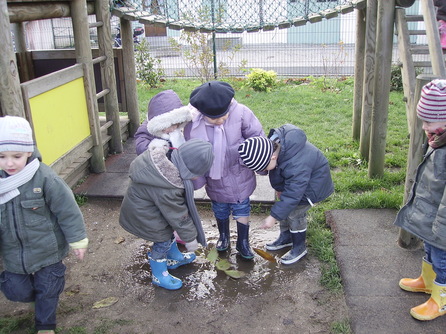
x=302 y=172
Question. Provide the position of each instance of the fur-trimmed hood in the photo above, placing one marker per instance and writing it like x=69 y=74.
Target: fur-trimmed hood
x=157 y=124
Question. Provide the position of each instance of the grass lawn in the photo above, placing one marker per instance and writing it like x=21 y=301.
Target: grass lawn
x=323 y=109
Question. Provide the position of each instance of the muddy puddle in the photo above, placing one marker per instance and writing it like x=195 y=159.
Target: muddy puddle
x=203 y=281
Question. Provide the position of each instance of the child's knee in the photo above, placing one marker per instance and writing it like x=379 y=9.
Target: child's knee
x=16 y=288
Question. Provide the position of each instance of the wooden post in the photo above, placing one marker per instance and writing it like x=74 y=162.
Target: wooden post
x=359 y=72
x=83 y=56
x=131 y=94
x=414 y=157
x=381 y=91
x=111 y=104
x=433 y=37
x=11 y=100
x=369 y=78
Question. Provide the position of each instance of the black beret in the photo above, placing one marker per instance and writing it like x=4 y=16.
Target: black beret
x=212 y=98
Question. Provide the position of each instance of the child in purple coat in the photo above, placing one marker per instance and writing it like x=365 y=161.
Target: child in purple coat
x=225 y=123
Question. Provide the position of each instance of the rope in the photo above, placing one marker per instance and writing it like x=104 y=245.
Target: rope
x=231 y=16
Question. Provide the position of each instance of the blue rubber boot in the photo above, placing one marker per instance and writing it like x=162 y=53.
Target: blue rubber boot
x=284 y=240
x=175 y=258
x=242 y=245
x=161 y=277
x=224 y=239
x=298 y=251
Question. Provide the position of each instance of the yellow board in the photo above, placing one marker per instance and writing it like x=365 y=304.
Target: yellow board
x=60 y=119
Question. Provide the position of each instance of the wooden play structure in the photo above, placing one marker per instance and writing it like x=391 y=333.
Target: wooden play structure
x=63 y=106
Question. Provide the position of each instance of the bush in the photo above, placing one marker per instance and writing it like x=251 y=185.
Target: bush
x=148 y=68
x=261 y=80
x=396 y=78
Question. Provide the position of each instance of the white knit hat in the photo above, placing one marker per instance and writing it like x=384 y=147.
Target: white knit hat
x=15 y=135
x=432 y=104
x=256 y=153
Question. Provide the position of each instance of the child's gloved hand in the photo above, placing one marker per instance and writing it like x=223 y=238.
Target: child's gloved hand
x=192 y=246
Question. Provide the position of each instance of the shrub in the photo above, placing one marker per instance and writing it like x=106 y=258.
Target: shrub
x=148 y=68
x=261 y=80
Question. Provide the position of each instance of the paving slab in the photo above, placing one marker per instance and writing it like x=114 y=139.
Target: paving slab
x=371 y=264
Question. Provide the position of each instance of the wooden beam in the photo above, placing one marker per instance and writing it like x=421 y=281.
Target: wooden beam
x=29 y=11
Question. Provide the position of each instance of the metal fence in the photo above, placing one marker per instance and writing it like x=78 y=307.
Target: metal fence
x=325 y=48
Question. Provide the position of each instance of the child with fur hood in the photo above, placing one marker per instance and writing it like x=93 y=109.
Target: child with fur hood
x=166 y=118
x=160 y=199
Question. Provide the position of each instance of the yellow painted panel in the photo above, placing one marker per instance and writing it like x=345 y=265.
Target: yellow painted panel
x=60 y=119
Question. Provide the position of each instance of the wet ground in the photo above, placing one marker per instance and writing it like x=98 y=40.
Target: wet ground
x=269 y=298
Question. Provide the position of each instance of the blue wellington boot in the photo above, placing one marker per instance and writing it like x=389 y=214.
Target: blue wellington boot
x=242 y=245
x=224 y=239
x=161 y=277
x=284 y=240
x=175 y=258
x=298 y=251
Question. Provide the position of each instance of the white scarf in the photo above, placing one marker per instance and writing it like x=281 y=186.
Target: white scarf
x=9 y=185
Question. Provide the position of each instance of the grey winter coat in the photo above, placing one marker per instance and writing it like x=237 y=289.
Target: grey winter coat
x=302 y=172
x=155 y=204
x=37 y=225
x=424 y=214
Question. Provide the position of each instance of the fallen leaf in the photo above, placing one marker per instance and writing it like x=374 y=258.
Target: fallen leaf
x=119 y=240
x=73 y=290
x=223 y=264
x=105 y=302
x=234 y=274
x=264 y=254
x=212 y=255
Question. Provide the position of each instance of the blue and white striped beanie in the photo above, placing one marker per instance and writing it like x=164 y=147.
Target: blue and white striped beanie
x=432 y=104
x=16 y=135
x=256 y=153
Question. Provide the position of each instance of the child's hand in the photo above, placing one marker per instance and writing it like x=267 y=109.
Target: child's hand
x=192 y=246
x=80 y=253
x=269 y=222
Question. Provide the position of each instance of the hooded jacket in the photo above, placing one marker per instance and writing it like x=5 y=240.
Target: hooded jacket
x=238 y=182
x=154 y=205
x=424 y=214
x=302 y=173
x=37 y=225
x=165 y=109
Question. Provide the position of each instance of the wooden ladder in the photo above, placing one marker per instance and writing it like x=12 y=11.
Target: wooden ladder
x=413 y=57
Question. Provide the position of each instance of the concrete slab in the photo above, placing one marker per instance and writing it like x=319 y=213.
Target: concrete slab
x=371 y=265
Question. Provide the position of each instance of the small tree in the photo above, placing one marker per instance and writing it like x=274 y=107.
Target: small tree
x=148 y=68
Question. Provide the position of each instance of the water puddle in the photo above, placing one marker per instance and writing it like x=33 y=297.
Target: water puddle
x=203 y=281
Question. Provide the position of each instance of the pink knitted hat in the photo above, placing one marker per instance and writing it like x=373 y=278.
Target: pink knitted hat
x=432 y=104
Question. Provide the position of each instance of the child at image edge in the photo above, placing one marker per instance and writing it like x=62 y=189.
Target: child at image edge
x=299 y=173
x=39 y=221
x=225 y=123
x=424 y=214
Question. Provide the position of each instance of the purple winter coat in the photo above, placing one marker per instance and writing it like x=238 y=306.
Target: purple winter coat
x=238 y=182
x=165 y=109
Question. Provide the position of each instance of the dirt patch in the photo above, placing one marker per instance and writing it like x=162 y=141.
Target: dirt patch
x=270 y=298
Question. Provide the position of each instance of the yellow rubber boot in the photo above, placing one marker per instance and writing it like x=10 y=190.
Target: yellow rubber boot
x=434 y=307
x=421 y=284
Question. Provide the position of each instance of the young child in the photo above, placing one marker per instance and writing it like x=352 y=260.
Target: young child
x=40 y=220
x=299 y=173
x=225 y=123
x=166 y=118
x=424 y=214
x=160 y=199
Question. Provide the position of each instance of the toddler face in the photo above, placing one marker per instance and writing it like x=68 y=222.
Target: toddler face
x=434 y=127
x=171 y=129
x=13 y=162
x=217 y=121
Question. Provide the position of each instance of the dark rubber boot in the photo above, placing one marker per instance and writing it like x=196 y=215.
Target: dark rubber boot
x=224 y=239
x=243 y=241
x=298 y=251
x=284 y=240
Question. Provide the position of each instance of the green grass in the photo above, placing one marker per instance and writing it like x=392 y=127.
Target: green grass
x=323 y=109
